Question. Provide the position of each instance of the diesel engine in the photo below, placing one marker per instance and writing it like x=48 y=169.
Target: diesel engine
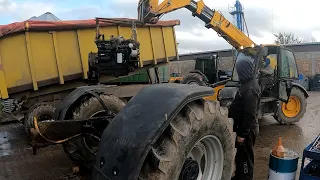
x=116 y=56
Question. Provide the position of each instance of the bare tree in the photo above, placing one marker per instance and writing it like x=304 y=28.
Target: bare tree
x=286 y=38
x=290 y=38
x=308 y=40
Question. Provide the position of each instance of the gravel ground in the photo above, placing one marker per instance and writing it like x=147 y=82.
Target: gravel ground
x=18 y=163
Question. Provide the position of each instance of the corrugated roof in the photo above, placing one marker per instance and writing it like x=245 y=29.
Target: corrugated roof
x=48 y=16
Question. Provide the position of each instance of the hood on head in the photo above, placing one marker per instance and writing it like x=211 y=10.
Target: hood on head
x=244 y=67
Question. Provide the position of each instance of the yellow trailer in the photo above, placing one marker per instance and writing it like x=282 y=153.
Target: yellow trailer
x=43 y=61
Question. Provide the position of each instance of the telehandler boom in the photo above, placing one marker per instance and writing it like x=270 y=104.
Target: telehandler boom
x=150 y=11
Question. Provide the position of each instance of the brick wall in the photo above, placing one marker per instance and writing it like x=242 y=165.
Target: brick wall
x=307 y=55
x=226 y=63
x=181 y=67
x=308 y=63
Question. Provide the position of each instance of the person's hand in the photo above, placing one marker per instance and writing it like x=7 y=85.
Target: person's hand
x=240 y=139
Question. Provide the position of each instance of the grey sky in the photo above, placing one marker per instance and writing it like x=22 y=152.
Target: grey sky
x=263 y=17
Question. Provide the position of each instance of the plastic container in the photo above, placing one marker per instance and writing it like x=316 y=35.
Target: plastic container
x=316 y=82
x=283 y=168
x=303 y=81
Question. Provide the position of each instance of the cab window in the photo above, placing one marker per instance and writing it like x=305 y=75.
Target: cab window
x=288 y=65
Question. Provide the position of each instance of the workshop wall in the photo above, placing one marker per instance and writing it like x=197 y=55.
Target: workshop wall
x=307 y=55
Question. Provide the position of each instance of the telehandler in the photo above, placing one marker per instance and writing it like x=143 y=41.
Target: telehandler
x=282 y=59
x=169 y=131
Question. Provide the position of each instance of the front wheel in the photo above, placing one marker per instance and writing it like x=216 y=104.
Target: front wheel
x=198 y=144
x=193 y=79
x=293 y=111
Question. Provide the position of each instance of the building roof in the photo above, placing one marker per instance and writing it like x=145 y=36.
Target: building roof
x=48 y=16
x=301 y=47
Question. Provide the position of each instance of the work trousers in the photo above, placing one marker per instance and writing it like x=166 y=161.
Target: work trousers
x=245 y=157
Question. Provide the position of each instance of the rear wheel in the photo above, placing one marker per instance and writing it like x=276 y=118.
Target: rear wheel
x=82 y=150
x=193 y=79
x=198 y=144
x=42 y=111
x=293 y=111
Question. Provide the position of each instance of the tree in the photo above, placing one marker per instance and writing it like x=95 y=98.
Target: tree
x=308 y=40
x=286 y=38
x=290 y=38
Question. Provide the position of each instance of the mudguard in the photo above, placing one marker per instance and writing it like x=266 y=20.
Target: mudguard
x=227 y=95
x=224 y=82
x=128 y=138
x=69 y=100
x=305 y=92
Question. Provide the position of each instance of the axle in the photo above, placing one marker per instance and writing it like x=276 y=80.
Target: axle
x=51 y=132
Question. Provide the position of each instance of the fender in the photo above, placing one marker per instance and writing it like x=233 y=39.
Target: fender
x=220 y=83
x=69 y=100
x=128 y=138
x=201 y=73
x=227 y=95
x=305 y=92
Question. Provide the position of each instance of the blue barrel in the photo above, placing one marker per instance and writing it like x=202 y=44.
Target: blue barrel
x=283 y=168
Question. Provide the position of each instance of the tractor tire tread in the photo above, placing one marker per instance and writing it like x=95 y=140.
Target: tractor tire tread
x=193 y=77
x=87 y=108
x=195 y=120
x=37 y=110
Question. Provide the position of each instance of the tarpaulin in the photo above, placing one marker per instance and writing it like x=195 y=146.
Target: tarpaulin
x=35 y=25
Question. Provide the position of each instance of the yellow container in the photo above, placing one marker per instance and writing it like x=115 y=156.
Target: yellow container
x=35 y=54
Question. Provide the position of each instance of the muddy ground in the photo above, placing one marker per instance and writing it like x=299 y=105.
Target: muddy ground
x=18 y=163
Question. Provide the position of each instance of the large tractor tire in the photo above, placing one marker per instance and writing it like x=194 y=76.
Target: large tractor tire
x=42 y=111
x=293 y=111
x=193 y=79
x=197 y=144
x=82 y=150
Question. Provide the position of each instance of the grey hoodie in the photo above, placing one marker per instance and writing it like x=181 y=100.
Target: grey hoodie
x=244 y=67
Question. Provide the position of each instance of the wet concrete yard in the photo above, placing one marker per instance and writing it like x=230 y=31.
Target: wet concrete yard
x=17 y=161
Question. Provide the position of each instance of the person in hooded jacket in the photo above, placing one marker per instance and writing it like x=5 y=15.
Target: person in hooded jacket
x=266 y=74
x=244 y=111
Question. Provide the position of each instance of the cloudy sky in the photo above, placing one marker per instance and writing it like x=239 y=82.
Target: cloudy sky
x=263 y=17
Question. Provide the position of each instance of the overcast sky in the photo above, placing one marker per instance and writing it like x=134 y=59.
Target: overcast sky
x=263 y=17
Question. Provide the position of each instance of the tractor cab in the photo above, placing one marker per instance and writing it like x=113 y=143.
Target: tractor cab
x=209 y=66
x=276 y=69
x=282 y=62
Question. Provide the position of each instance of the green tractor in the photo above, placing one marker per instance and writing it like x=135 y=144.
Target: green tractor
x=207 y=71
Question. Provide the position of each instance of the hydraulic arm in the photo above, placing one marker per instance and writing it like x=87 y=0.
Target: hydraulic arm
x=150 y=11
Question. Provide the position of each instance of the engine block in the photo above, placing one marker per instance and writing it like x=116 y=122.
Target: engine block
x=116 y=56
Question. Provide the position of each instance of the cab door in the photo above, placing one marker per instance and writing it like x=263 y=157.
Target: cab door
x=287 y=73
